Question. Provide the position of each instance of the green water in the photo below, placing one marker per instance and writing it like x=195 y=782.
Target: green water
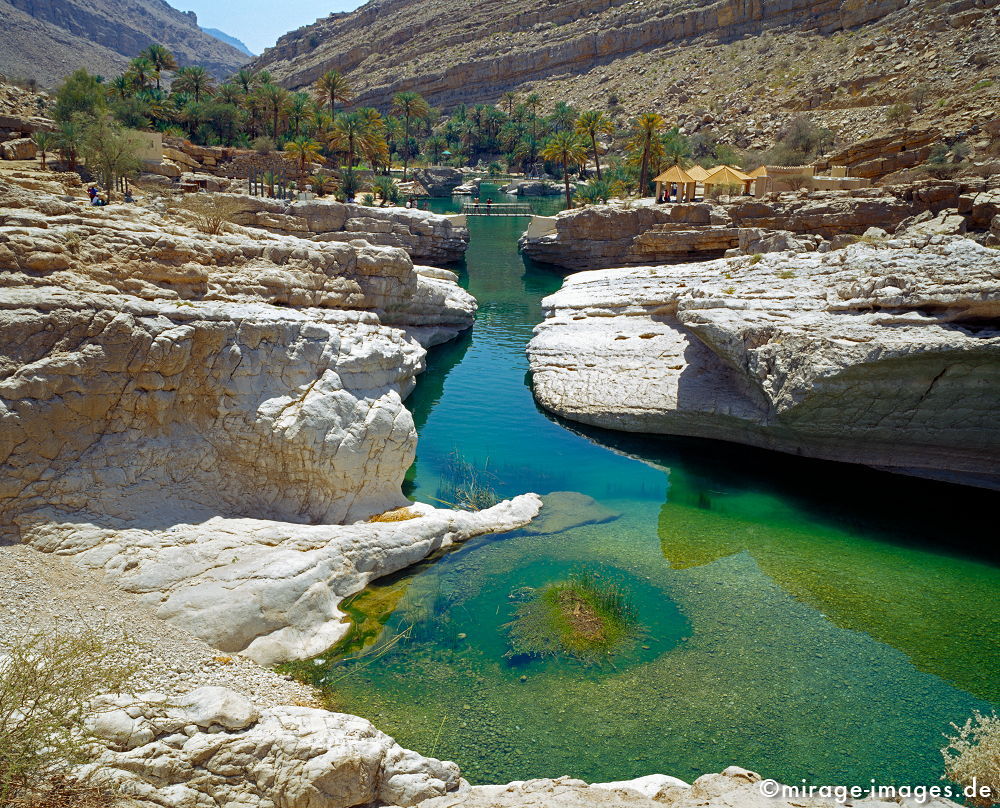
x=807 y=620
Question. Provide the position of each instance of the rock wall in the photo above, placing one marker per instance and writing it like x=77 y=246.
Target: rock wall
x=605 y=236
x=425 y=236
x=888 y=357
x=198 y=415
x=476 y=57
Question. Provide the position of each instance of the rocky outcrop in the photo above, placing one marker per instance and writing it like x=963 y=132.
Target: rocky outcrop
x=513 y=46
x=876 y=157
x=48 y=40
x=200 y=416
x=608 y=236
x=438 y=180
x=213 y=746
x=888 y=357
x=23 y=148
x=533 y=188
x=423 y=235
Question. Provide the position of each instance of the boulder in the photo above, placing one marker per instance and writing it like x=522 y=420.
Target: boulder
x=438 y=180
x=562 y=510
x=533 y=188
x=211 y=746
x=19 y=149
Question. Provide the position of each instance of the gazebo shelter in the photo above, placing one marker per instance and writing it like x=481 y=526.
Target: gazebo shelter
x=727 y=175
x=675 y=175
x=697 y=173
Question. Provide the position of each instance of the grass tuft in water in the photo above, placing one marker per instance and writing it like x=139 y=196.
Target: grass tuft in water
x=581 y=617
x=465 y=486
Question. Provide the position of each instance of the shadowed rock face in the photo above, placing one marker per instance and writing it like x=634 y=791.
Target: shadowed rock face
x=887 y=357
x=477 y=53
x=198 y=416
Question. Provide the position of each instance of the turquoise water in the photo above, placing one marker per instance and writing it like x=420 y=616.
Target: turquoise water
x=804 y=619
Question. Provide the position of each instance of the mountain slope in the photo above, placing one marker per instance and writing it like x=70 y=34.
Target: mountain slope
x=222 y=36
x=47 y=39
x=679 y=57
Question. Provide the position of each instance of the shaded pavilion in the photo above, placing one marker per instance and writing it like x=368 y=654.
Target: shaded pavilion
x=675 y=175
x=727 y=175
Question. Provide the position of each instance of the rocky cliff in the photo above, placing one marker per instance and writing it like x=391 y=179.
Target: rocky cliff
x=736 y=68
x=611 y=236
x=887 y=356
x=46 y=40
x=201 y=416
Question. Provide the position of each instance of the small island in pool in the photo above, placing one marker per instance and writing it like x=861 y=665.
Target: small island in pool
x=580 y=617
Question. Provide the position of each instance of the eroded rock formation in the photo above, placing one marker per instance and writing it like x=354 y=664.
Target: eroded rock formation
x=888 y=357
x=608 y=236
x=199 y=415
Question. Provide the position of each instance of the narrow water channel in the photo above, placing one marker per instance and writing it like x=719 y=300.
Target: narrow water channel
x=804 y=619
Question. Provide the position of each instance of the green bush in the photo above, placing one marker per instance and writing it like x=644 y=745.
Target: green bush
x=46 y=682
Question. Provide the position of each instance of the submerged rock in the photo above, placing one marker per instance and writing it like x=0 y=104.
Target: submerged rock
x=562 y=510
x=888 y=357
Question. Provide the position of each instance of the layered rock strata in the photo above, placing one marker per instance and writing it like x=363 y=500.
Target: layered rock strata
x=888 y=357
x=424 y=236
x=605 y=236
x=199 y=415
x=480 y=57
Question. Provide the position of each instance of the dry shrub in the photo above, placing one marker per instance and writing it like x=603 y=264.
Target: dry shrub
x=212 y=212
x=973 y=756
x=46 y=683
x=396 y=515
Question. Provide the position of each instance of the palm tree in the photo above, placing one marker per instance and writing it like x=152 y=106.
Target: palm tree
x=44 y=141
x=409 y=105
x=298 y=110
x=195 y=80
x=434 y=147
x=321 y=183
x=304 y=150
x=565 y=148
x=562 y=117
x=69 y=138
x=332 y=87
x=644 y=142
x=589 y=125
x=121 y=86
x=246 y=80
x=140 y=70
x=276 y=99
x=229 y=93
x=161 y=58
x=507 y=99
x=349 y=132
x=533 y=102
x=387 y=190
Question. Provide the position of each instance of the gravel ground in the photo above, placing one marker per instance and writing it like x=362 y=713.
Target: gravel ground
x=39 y=591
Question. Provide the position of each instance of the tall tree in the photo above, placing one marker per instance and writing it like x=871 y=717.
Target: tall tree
x=333 y=87
x=409 y=105
x=590 y=125
x=644 y=141
x=303 y=150
x=161 y=58
x=507 y=100
x=276 y=100
x=141 y=71
x=194 y=80
x=567 y=149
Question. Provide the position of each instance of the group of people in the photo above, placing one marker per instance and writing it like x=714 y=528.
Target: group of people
x=99 y=201
x=475 y=204
x=421 y=205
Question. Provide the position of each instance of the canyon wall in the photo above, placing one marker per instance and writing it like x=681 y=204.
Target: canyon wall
x=202 y=416
x=886 y=356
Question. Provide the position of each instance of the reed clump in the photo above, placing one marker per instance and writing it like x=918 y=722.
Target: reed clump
x=582 y=617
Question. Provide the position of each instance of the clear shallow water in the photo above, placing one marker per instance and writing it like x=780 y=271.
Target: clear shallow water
x=804 y=619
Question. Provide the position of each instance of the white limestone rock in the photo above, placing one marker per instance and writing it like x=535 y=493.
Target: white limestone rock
x=212 y=747
x=884 y=356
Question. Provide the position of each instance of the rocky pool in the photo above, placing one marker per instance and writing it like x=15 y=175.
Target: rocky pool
x=803 y=619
